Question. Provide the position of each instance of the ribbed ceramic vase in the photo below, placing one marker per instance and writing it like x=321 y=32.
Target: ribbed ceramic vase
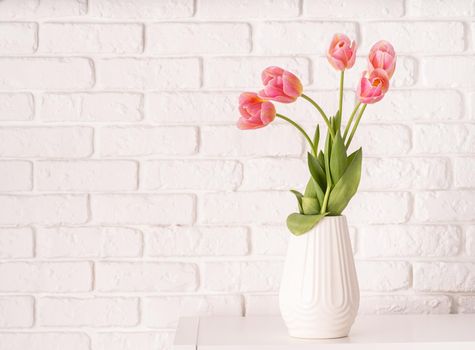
x=319 y=293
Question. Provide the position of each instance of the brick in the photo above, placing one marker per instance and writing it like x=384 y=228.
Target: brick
x=45 y=8
x=146 y=277
x=269 y=240
x=16 y=176
x=198 y=38
x=248 y=9
x=391 y=208
x=195 y=241
x=91 y=38
x=164 y=312
x=141 y=9
x=470 y=241
x=230 y=141
x=16 y=243
x=89 y=312
x=259 y=305
x=45 y=73
x=464 y=172
x=173 y=209
x=429 y=105
x=440 y=206
x=274 y=174
x=408 y=241
x=420 y=37
x=244 y=72
x=193 y=175
x=245 y=207
x=88 y=242
x=46 y=209
x=86 y=175
x=448 y=72
x=191 y=107
x=465 y=304
x=61 y=142
x=444 y=276
x=143 y=141
x=16 y=107
x=450 y=8
x=148 y=73
x=92 y=107
x=46 y=277
x=405 y=174
x=251 y=276
x=352 y=9
x=444 y=138
x=403 y=304
x=383 y=276
x=313 y=37
x=18 y=38
x=383 y=139
x=45 y=340
x=132 y=341
x=325 y=77
x=16 y=312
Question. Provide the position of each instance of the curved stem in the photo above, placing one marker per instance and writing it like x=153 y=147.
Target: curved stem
x=340 y=102
x=299 y=128
x=324 y=116
x=351 y=120
x=356 y=125
x=325 y=200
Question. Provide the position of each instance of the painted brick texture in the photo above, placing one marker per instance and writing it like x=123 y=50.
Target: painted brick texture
x=129 y=198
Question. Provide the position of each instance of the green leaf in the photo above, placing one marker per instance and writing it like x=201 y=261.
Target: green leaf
x=321 y=159
x=310 y=205
x=299 y=224
x=316 y=170
x=314 y=190
x=299 y=197
x=316 y=138
x=347 y=186
x=338 y=159
x=337 y=122
x=326 y=157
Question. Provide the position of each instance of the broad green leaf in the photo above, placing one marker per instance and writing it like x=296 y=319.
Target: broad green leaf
x=299 y=197
x=310 y=205
x=337 y=125
x=299 y=224
x=347 y=186
x=314 y=190
x=316 y=170
x=326 y=157
x=316 y=138
x=338 y=161
x=321 y=159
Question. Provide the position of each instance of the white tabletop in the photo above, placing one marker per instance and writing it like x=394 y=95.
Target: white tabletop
x=389 y=332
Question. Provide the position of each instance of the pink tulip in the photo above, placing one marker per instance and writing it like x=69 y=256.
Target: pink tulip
x=255 y=112
x=382 y=55
x=342 y=52
x=280 y=85
x=372 y=89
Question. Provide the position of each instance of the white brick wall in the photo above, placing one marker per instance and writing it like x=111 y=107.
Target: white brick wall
x=128 y=197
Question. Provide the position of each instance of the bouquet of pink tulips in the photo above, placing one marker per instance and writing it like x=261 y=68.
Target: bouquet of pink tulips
x=335 y=174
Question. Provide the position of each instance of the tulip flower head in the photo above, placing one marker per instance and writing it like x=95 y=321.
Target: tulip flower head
x=280 y=85
x=255 y=112
x=383 y=56
x=342 y=52
x=372 y=89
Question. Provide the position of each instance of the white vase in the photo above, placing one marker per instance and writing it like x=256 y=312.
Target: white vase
x=319 y=293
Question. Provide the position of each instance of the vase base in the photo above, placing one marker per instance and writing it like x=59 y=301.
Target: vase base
x=308 y=334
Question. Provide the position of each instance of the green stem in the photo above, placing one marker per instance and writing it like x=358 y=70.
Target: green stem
x=299 y=128
x=325 y=200
x=324 y=116
x=355 y=126
x=340 y=102
x=351 y=120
